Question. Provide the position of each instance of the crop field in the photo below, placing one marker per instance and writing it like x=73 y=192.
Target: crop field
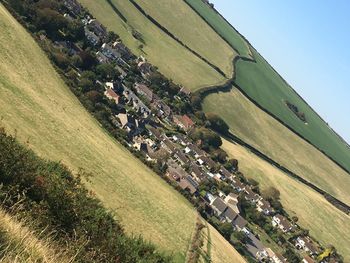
x=266 y=134
x=183 y=22
x=326 y=223
x=223 y=28
x=172 y=59
x=37 y=107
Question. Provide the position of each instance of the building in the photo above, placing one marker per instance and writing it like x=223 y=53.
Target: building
x=109 y=52
x=123 y=50
x=218 y=206
x=110 y=94
x=145 y=69
x=239 y=223
x=184 y=122
x=133 y=126
x=264 y=207
x=308 y=259
x=251 y=196
x=97 y=28
x=73 y=6
x=232 y=201
x=307 y=245
x=91 y=37
x=197 y=172
x=181 y=157
x=168 y=146
x=143 y=90
x=188 y=184
x=282 y=223
x=237 y=185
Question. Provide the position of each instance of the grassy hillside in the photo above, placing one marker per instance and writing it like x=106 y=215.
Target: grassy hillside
x=172 y=59
x=204 y=41
x=36 y=105
x=269 y=136
x=262 y=84
x=326 y=223
x=20 y=244
x=221 y=27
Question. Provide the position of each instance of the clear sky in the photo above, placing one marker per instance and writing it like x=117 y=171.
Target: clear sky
x=308 y=43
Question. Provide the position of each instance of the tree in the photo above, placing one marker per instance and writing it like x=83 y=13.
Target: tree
x=51 y=21
x=85 y=84
x=208 y=137
x=271 y=193
x=106 y=72
x=226 y=230
x=88 y=60
x=217 y=123
x=231 y=165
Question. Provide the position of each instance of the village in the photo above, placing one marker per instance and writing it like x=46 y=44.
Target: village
x=163 y=135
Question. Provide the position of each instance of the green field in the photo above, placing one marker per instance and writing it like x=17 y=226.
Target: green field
x=205 y=41
x=326 y=223
x=41 y=111
x=172 y=59
x=223 y=28
x=263 y=132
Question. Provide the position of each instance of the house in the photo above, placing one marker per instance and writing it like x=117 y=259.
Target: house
x=135 y=102
x=239 y=223
x=123 y=50
x=143 y=90
x=218 y=206
x=91 y=37
x=197 y=172
x=183 y=122
x=155 y=132
x=208 y=162
x=256 y=248
x=73 y=6
x=163 y=110
x=306 y=244
x=308 y=259
x=264 y=207
x=184 y=141
x=109 y=52
x=110 y=94
x=225 y=172
x=121 y=71
x=195 y=151
x=229 y=215
x=133 y=126
x=282 y=223
x=232 y=201
x=97 y=28
x=101 y=58
x=237 y=185
x=181 y=157
x=275 y=257
x=168 y=146
x=251 y=196
x=176 y=173
x=188 y=184
x=145 y=69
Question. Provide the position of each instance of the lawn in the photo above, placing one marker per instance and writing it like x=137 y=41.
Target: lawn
x=183 y=22
x=172 y=59
x=263 y=132
x=271 y=92
x=40 y=110
x=325 y=222
x=223 y=28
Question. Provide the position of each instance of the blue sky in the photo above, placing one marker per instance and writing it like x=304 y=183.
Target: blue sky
x=308 y=43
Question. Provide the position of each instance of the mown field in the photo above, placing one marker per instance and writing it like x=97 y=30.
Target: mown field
x=40 y=110
x=172 y=59
x=223 y=28
x=263 y=132
x=325 y=222
x=174 y=14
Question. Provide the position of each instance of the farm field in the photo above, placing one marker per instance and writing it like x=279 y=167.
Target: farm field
x=223 y=28
x=325 y=222
x=39 y=109
x=172 y=59
x=266 y=134
x=205 y=41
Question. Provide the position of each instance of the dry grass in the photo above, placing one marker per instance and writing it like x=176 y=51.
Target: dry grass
x=36 y=105
x=325 y=222
x=269 y=136
x=184 y=23
x=19 y=244
x=172 y=59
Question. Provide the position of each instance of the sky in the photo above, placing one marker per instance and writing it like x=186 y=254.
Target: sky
x=308 y=43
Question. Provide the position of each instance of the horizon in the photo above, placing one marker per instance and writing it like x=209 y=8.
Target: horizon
x=308 y=38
